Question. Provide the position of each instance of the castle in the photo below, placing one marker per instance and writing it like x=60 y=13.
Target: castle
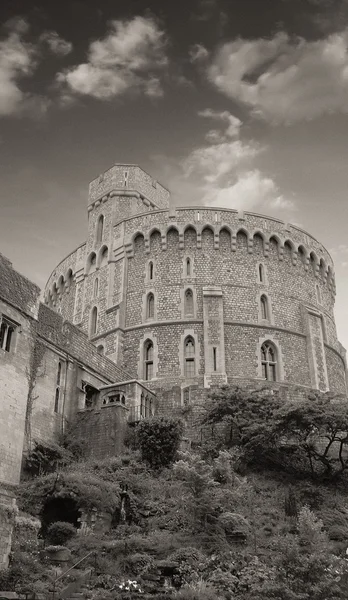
x=157 y=307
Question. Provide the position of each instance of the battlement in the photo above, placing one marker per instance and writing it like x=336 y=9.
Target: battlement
x=127 y=178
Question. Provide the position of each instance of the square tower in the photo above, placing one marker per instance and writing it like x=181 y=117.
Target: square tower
x=125 y=179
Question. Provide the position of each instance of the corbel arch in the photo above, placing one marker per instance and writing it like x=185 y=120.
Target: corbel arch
x=280 y=246
x=61 y=285
x=91 y=263
x=288 y=243
x=314 y=260
x=102 y=259
x=69 y=277
x=260 y=234
x=323 y=268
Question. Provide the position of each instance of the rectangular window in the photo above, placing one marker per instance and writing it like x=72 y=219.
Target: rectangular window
x=189 y=367
x=215 y=358
x=56 y=400
x=148 y=371
x=7 y=331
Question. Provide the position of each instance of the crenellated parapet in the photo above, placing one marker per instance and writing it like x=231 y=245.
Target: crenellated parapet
x=301 y=246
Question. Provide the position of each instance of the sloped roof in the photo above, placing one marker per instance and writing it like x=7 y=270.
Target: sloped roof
x=17 y=289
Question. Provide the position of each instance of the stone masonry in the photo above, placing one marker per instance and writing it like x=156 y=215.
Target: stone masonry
x=216 y=283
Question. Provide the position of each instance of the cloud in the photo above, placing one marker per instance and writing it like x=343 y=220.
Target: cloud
x=222 y=172
x=282 y=79
x=124 y=59
x=234 y=124
x=198 y=53
x=250 y=189
x=17 y=59
x=56 y=44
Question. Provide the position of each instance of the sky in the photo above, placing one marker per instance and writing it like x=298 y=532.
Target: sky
x=233 y=103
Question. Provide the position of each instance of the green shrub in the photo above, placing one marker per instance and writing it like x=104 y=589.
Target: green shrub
x=188 y=554
x=159 y=440
x=60 y=532
x=235 y=525
x=139 y=563
x=46 y=458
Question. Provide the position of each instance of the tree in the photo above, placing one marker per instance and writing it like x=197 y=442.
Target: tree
x=159 y=440
x=308 y=436
x=317 y=431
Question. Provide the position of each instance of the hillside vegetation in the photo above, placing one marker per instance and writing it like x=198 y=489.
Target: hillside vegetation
x=259 y=510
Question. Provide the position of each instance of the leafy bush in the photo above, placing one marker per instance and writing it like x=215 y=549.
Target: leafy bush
x=60 y=532
x=159 y=440
x=46 y=458
x=225 y=583
x=235 y=525
x=139 y=563
x=188 y=554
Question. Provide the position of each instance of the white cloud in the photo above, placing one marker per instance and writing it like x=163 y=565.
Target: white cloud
x=198 y=53
x=284 y=79
x=216 y=160
x=17 y=59
x=250 y=189
x=153 y=88
x=222 y=172
x=56 y=44
x=125 y=59
x=234 y=124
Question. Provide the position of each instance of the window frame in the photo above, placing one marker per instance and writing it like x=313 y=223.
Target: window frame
x=189 y=304
x=148 y=366
x=100 y=229
x=189 y=358
x=93 y=327
x=265 y=312
x=7 y=342
x=150 y=305
x=58 y=387
x=268 y=365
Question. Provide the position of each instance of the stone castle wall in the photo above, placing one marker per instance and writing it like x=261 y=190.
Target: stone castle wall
x=225 y=249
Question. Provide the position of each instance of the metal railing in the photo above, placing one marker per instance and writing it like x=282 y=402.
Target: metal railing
x=62 y=575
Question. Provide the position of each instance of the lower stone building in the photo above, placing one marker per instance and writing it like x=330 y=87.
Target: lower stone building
x=49 y=374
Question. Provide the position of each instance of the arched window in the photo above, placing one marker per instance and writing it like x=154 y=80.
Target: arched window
x=188 y=267
x=261 y=273
x=151 y=270
x=148 y=361
x=100 y=349
x=150 y=306
x=96 y=288
x=269 y=361
x=100 y=229
x=189 y=357
x=188 y=309
x=94 y=321
x=264 y=307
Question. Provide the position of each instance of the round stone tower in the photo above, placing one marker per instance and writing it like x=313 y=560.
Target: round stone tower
x=194 y=297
